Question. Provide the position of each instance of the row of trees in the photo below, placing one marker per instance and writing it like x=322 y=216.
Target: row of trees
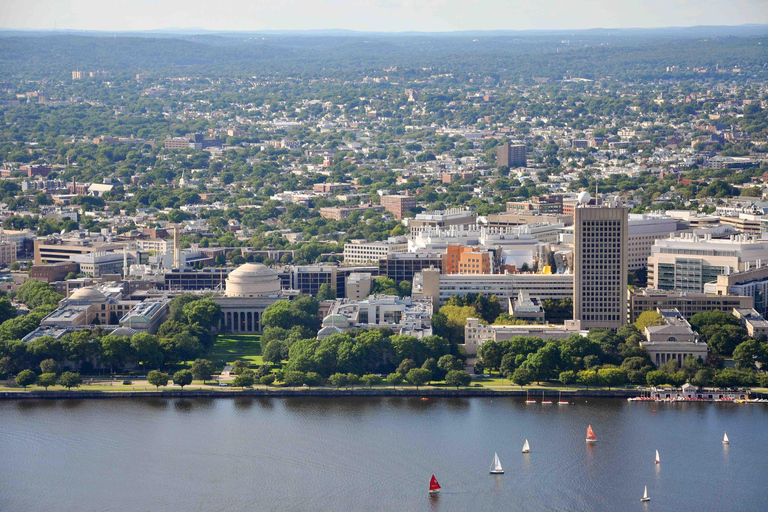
x=185 y=336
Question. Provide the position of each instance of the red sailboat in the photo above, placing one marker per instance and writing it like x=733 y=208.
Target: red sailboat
x=434 y=487
x=591 y=437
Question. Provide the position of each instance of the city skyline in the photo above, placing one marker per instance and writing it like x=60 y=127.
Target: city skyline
x=379 y=15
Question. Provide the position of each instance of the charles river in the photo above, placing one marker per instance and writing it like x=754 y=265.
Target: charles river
x=377 y=454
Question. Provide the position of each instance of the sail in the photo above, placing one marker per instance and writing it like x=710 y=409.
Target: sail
x=725 y=438
x=526 y=447
x=590 y=433
x=496 y=463
x=657 y=457
x=433 y=485
x=645 y=494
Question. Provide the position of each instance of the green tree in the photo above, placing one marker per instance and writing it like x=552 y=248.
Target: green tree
x=405 y=366
x=204 y=312
x=746 y=354
x=202 y=369
x=567 y=377
x=7 y=311
x=325 y=292
x=239 y=366
x=47 y=379
x=371 y=380
x=418 y=377
x=294 y=379
x=147 y=350
x=312 y=379
x=522 y=376
x=352 y=380
x=395 y=379
x=458 y=378
x=26 y=378
x=158 y=378
x=268 y=380
x=275 y=352
x=589 y=378
x=612 y=377
x=50 y=366
x=182 y=378
x=648 y=319
x=70 y=380
x=703 y=377
x=245 y=380
x=656 y=378
x=338 y=379
x=116 y=351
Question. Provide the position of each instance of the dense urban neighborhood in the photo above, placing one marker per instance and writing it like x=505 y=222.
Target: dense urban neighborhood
x=388 y=211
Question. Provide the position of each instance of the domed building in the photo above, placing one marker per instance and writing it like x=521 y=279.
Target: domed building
x=249 y=290
x=252 y=280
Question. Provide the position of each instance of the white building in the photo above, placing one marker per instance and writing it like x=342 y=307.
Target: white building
x=642 y=231
x=406 y=315
x=441 y=287
x=673 y=340
x=688 y=261
x=475 y=333
x=360 y=252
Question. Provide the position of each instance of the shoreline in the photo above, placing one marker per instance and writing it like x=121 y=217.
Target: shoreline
x=314 y=393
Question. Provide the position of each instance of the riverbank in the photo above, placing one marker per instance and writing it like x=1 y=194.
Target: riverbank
x=317 y=392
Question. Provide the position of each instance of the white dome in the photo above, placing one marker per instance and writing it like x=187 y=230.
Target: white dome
x=252 y=280
x=88 y=294
x=584 y=197
x=335 y=320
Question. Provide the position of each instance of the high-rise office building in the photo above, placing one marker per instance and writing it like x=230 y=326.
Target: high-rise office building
x=511 y=155
x=600 y=266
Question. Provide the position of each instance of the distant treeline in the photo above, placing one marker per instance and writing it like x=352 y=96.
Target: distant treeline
x=613 y=54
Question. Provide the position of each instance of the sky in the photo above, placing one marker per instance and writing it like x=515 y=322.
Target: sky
x=375 y=15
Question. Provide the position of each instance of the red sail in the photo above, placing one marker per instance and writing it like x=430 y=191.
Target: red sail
x=433 y=485
x=590 y=434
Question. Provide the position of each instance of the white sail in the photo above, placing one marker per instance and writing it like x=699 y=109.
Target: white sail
x=645 y=494
x=526 y=447
x=657 y=456
x=725 y=438
x=496 y=467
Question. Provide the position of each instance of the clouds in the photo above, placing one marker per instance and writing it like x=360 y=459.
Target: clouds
x=377 y=15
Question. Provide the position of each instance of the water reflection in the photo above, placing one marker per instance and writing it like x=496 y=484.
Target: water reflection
x=243 y=403
x=497 y=483
x=73 y=404
x=156 y=403
x=30 y=405
x=434 y=502
x=183 y=405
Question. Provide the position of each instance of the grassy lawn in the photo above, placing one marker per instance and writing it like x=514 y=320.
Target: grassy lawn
x=228 y=349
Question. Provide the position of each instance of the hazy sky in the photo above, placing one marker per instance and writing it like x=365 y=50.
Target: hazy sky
x=376 y=15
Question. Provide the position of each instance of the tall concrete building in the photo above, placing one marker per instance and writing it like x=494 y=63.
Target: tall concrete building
x=511 y=155
x=600 y=266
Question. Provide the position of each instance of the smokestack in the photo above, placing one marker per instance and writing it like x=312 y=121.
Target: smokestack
x=176 y=250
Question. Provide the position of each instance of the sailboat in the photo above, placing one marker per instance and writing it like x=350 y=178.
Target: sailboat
x=725 y=438
x=560 y=400
x=544 y=401
x=591 y=437
x=657 y=457
x=645 y=495
x=496 y=466
x=526 y=447
x=528 y=399
x=434 y=487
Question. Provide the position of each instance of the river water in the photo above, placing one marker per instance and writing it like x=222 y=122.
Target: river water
x=318 y=454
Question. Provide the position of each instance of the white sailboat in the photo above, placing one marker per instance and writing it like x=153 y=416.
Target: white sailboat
x=560 y=400
x=544 y=401
x=528 y=399
x=657 y=457
x=725 y=438
x=496 y=466
x=645 y=495
x=526 y=447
